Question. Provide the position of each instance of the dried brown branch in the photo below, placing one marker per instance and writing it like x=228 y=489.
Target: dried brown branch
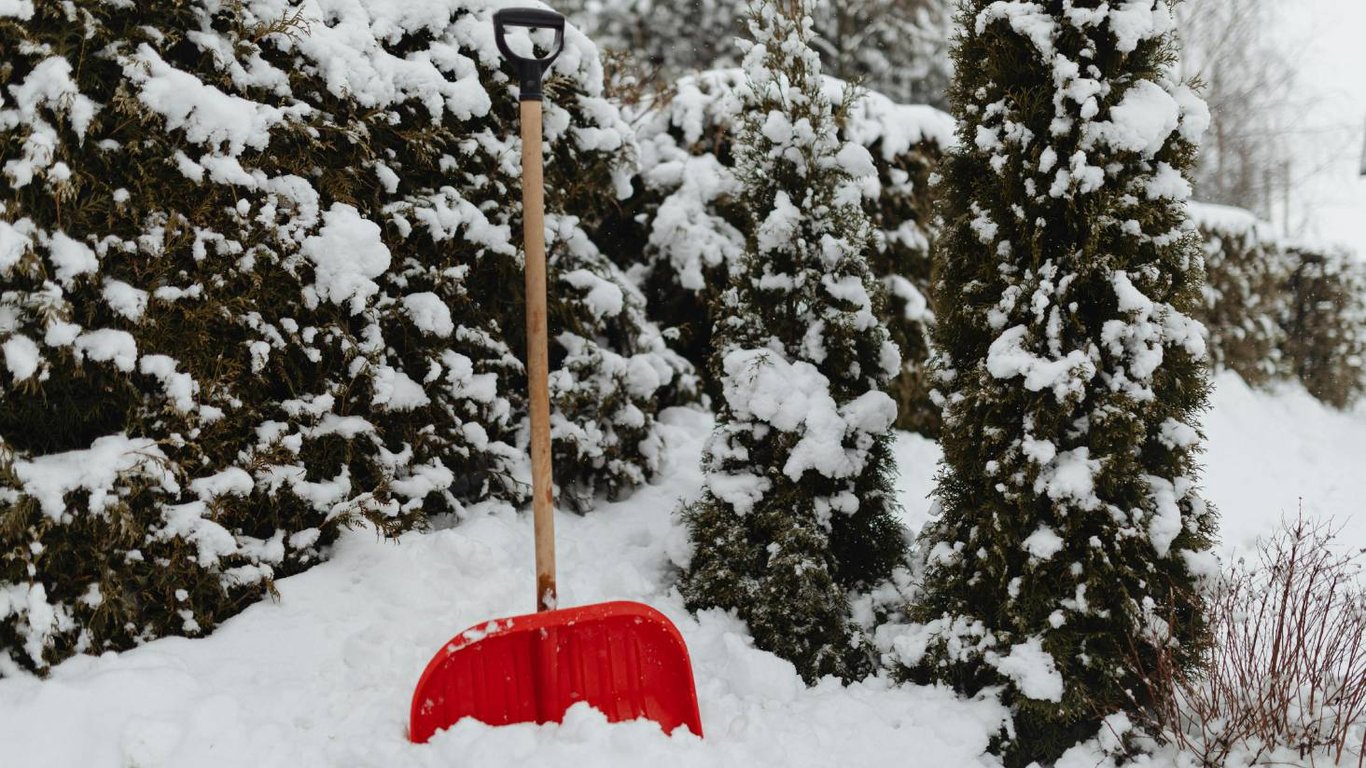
x=1287 y=666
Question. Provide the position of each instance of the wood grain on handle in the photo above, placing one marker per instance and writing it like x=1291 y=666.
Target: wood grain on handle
x=538 y=362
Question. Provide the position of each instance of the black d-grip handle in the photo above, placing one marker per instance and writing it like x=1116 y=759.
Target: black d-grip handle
x=529 y=70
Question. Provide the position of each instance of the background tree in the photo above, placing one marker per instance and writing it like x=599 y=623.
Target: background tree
x=896 y=47
x=1250 y=84
x=1275 y=137
x=1073 y=378
x=797 y=507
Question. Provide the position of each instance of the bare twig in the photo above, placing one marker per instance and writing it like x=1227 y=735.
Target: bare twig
x=1287 y=666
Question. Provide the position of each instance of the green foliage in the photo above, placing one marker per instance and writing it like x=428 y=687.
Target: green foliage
x=1278 y=311
x=1072 y=375
x=258 y=287
x=1246 y=282
x=797 y=509
x=1325 y=324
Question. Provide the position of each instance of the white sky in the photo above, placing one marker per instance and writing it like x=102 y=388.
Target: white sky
x=1332 y=47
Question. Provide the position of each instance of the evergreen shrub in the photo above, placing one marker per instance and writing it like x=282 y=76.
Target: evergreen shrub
x=1072 y=526
x=1247 y=274
x=797 y=506
x=1277 y=310
x=262 y=280
x=1325 y=323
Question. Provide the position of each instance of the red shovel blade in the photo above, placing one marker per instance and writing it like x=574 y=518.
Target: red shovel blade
x=625 y=659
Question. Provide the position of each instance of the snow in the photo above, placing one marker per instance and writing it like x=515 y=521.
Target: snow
x=855 y=160
x=50 y=83
x=1169 y=183
x=322 y=676
x=1269 y=455
x=1071 y=476
x=208 y=116
x=1139 y=342
x=1026 y=18
x=20 y=9
x=31 y=601
x=1064 y=376
x=780 y=226
x=71 y=257
x=1136 y=20
x=1227 y=220
x=873 y=117
x=21 y=356
x=429 y=313
x=191 y=523
x=125 y=299
x=1142 y=120
x=396 y=391
x=602 y=297
x=1195 y=114
x=232 y=481
x=350 y=56
x=14 y=242
x=795 y=397
x=180 y=388
x=1043 y=543
x=347 y=253
x=108 y=345
x=692 y=238
x=1165 y=525
x=1032 y=670
x=94 y=470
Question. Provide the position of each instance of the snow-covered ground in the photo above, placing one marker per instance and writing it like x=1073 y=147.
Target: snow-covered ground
x=323 y=676
x=1268 y=454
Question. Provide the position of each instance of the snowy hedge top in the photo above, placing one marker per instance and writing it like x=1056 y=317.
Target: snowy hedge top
x=1227 y=221
x=1233 y=222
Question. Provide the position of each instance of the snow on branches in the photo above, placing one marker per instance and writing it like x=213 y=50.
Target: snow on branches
x=262 y=280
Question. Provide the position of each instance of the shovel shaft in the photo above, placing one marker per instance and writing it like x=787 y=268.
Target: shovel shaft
x=537 y=356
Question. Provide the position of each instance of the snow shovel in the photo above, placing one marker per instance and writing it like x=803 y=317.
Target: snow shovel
x=625 y=659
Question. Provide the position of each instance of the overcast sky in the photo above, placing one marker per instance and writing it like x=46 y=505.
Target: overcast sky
x=1332 y=43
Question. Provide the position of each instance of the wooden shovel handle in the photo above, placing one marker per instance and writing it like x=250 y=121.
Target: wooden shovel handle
x=537 y=357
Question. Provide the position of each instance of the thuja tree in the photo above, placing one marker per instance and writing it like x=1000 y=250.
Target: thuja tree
x=797 y=509
x=1325 y=324
x=685 y=217
x=261 y=281
x=1072 y=525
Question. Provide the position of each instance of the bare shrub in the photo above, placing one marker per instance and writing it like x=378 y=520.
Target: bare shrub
x=1285 y=671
